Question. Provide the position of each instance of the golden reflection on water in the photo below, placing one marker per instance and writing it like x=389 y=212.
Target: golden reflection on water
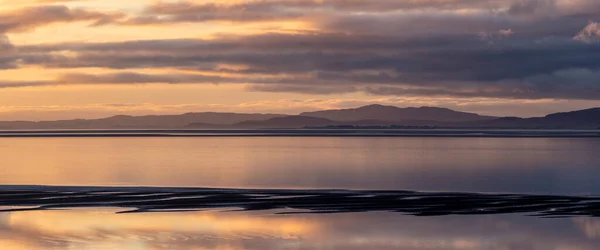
x=460 y=164
x=101 y=229
x=96 y=229
x=478 y=164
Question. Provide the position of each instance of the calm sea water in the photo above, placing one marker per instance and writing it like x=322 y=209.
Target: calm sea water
x=515 y=165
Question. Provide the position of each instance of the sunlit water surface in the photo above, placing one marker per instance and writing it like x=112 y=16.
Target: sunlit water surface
x=516 y=165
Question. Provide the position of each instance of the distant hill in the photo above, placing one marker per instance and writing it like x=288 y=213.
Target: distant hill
x=297 y=121
x=141 y=122
x=294 y=121
x=372 y=115
x=391 y=113
x=581 y=119
x=377 y=115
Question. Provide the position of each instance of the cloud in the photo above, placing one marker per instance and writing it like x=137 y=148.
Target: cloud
x=325 y=63
x=589 y=34
x=59 y=1
x=28 y=18
x=277 y=10
x=493 y=37
x=183 y=78
x=304 y=89
x=190 y=11
x=375 y=17
x=582 y=84
x=506 y=32
x=21 y=84
x=434 y=48
x=5 y=44
x=137 y=78
x=7 y=59
x=564 y=84
x=186 y=11
x=530 y=7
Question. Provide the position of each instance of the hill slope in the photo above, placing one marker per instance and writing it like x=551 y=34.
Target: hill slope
x=293 y=121
x=580 y=119
x=391 y=113
x=141 y=122
x=372 y=115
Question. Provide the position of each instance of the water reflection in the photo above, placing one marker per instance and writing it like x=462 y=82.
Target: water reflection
x=102 y=229
x=518 y=165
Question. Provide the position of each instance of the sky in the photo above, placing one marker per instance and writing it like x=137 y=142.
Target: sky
x=96 y=58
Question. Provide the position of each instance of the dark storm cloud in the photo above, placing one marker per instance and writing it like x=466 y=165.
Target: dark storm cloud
x=415 y=60
x=526 y=49
x=337 y=63
x=582 y=84
x=517 y=90
x=261 y=53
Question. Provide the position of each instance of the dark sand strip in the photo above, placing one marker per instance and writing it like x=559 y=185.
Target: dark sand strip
x=170 y=199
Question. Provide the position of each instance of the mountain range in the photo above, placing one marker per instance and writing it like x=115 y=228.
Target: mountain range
x=366 y=116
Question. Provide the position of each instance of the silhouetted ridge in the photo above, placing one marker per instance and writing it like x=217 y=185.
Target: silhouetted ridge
x=391 y=113
x=580 y=119
x=210 y=119
x=586 y=115
x=295 y=121
x=370 y=115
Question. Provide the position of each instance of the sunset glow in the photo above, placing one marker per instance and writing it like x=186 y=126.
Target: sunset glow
x=168 y=57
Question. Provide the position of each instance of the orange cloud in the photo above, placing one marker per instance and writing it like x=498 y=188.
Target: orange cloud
x=29 y=18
